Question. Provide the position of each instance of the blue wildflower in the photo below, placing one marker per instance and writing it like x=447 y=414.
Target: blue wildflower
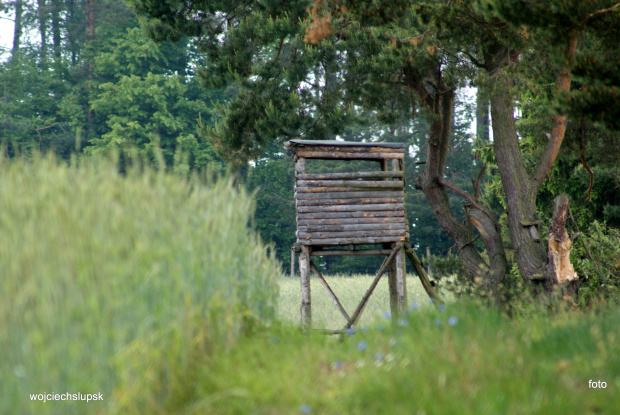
x=379 y=356
x=305 y=409
x=441 y=307
x=364 y=329
x=362 y=346
x=452 y=321
x=413 y=306
x=387 y=314
x=338 y=365
x=403 y=322
x=437 y=322
x=350 y=331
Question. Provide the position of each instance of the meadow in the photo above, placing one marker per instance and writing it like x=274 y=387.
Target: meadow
x=153 y=291
x=349 y=289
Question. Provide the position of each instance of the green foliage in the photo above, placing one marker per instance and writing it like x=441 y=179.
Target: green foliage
x=597 y=261
x=150 y=113
x=117 y=284
x=28 y=114
x=599 y=96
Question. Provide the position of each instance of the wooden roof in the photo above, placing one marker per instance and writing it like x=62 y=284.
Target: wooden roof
x=338 y=143
x=346 y=150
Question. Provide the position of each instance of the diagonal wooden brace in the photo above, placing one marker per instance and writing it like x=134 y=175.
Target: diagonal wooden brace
x=329 y=290
x=358 y=312
x=419 y=269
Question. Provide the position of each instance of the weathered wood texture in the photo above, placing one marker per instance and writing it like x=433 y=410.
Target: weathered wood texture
x=419 y=269
x=330 y=292
x=345 y=252
x=360 y=308
x=304 y=280
x=357 y=188
x=346 y=155
x=349 y=208
x=397 y=283
x=348 y=221
x=368 y=201
x=351 y=175
x=368 y=184
x=346 y=195
x=303 y=234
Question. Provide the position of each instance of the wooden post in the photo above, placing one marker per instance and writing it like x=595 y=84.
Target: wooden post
x=401 y=281
x=397 y=272
x=304 y=278
x=304 y=264
x=393 y=288
x=331 y=293
x=358 y=311
x=419 y=269
x=292 y=262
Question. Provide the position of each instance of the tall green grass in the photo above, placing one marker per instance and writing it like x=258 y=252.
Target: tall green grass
x=464 y=360
x=119 y=284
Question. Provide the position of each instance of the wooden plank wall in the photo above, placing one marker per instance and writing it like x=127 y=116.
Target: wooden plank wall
x=353 y=208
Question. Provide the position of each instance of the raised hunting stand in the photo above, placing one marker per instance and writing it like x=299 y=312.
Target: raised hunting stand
x=347 y=213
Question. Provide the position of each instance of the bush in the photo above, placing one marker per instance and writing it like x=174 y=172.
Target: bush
x=596 y=257
x=119 y=284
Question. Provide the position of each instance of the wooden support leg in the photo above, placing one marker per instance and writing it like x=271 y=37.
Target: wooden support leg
x=292 y=262
x=304 y=277
x=356 y=315
x=397 y=283
x=393 y=288
x=417 y=266
x=331 y=293
x=401 y=281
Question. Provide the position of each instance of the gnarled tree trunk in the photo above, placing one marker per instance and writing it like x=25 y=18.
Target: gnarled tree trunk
x=433 y=184
x=520 y=186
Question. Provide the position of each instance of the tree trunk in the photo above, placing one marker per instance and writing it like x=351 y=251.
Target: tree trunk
x=17 y=30
x=483 y=121
x=56 y=40
x=42 y=15
x=518 y=189
x=90 y=36
x=559 y=246
x=90 y=32
x=72 y=31
x=433 y=185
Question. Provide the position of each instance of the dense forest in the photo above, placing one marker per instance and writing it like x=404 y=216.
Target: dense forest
x=222 y=85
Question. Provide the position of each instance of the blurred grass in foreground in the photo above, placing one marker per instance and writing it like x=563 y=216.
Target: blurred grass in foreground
x=119 y=284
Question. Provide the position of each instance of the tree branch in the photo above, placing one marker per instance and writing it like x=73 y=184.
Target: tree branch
x=559 y=121
x=599 y=13
x=467 y=196
x=476 y=183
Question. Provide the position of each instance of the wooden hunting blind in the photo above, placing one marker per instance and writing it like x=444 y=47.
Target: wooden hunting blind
x=350 y=213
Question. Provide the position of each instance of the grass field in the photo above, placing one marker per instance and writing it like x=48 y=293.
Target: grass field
x=349 y=290
x=154 y=292
x=464 y=360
